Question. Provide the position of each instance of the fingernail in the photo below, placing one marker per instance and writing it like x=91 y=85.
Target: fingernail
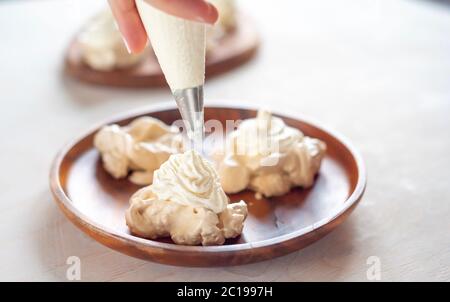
x=126 y=44
x=210 y=11
x=200 y=19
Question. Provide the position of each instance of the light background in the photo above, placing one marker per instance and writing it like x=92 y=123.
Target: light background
x=377 y=71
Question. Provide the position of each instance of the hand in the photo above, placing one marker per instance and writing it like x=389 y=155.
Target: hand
x=132 y=29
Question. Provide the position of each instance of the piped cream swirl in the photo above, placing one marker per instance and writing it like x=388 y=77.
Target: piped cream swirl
x=189 y=179
x=264 y=135
x=269 y=157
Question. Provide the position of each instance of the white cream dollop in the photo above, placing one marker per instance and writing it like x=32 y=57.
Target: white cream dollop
x=269 y=157
x=189 y=179
x=264 y=136
x=140 y=147
x=102 y=46
x=227 y=13
x=186 y=203
x=224 y=25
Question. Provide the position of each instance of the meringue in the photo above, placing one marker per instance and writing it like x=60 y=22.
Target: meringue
x=227 y=14
x=141 y=147
x=226 y=23
x=102 y=46
x=269 y=157
x=189 y=179
x=186 y=203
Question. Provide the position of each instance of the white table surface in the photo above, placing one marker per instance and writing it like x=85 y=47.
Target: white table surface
x=377 y=71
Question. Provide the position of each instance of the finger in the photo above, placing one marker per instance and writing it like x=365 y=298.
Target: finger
x=195 y=10
x=130 y=24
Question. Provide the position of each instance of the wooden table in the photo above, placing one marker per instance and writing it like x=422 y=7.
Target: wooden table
x=377 y=71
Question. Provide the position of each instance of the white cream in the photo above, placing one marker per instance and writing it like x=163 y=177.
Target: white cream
x=269 y=157
x=102 y=46
x=189 y=179
x=186 y=203
x=225 y=24
x=179 y=45
x=264 y=135
x=227 y=13
x=140 y=147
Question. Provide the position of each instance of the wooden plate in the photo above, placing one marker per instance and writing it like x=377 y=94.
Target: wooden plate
x=96 y=203
x=233 y=50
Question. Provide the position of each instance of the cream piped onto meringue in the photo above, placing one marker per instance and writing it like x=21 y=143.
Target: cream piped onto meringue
x=269 y=157
x=186 y=203
x=189 y=179
x=102 y=46
x=140 y=147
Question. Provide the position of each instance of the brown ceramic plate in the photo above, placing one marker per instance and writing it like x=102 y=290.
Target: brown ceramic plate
x=96 y=203
x=231 y=51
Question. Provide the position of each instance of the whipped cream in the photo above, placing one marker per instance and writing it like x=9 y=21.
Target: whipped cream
x=102 y=46
x=269 y=157
x=189 y=179
x=263 y=137
x=179 y=45
x=186 y=203
x=140 y=147
x=225 y=24
x=227 y=13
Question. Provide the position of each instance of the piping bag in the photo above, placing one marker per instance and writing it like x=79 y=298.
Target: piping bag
x=179 y=45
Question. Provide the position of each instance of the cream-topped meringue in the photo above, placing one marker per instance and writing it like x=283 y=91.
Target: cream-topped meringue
x=186 y=203
x=227 y=13
x=189 y=179
x=269 y=157
x=102 y=46
x=225 y=24
x=141 y=147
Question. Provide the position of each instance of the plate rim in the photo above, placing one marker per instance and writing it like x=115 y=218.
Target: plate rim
x=63 y=200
